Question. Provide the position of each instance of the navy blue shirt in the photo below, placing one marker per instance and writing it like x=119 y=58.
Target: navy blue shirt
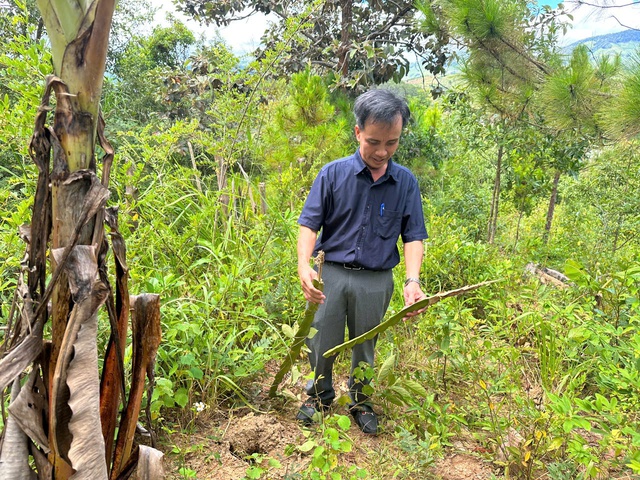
x=360 y=220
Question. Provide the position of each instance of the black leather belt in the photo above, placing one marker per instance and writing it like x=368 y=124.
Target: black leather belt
x=348 y=266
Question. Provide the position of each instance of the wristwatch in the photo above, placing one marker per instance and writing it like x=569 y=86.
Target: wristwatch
x=412 y=279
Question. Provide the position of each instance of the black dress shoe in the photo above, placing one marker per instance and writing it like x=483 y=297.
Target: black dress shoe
x=308 y=409
x=365 y=418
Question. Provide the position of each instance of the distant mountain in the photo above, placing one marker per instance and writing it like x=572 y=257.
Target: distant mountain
x=626 y=43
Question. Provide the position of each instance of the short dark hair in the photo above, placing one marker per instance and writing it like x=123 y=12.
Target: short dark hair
x=380 y=105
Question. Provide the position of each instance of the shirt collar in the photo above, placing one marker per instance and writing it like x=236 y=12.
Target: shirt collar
x=360 y=166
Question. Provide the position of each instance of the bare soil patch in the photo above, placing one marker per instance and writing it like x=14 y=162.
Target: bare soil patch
x=222 y=445
x=224 y=448
x=462 y=467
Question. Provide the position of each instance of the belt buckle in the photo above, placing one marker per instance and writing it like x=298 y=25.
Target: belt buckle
x=351 y=266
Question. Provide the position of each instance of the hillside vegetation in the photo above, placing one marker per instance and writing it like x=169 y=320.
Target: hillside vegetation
x=625 y=43
x=534 y=377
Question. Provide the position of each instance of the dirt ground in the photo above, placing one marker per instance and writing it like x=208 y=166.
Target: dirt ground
x=223 y=445
x=222 y=450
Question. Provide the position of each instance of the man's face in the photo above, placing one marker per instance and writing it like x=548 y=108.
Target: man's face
x=378 y=142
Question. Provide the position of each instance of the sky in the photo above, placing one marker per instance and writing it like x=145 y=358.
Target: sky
x=590 y=22
x=244 y=36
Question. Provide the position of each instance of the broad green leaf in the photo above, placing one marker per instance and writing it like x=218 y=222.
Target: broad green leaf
x=403 y=392
x=579 y=334
x=346 y=446
x=415 y=387
x=288 y=331
x=555 y=444
x=181 y=397
x=188 y=359
x=254 y=472
x=307 y=446
x=344 y=422
x=576 y=272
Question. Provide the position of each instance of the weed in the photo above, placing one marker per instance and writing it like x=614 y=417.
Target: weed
x=328 y=449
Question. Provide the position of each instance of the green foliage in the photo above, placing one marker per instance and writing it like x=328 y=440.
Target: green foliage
x=620 y=113
x=24 y=62
x=261 y=466
x=327 y=450
x=575 y=93
x=129 y=19
x=502 y=62
x=133 y=93
x=219 y=313
x=16 y=209
x=454 y=259
x=358 y=45
x=423 y=145
x=305 y=131
x=166 y=47
x=538 y=380
x=601 y=207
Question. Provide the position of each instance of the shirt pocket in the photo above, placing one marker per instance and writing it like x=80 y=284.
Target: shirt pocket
x=388 y=224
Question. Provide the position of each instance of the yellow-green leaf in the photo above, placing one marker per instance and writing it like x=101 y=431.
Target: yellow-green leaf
x=307 y=446
x=386 y=368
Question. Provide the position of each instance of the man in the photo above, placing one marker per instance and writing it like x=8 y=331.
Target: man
x=361 y=204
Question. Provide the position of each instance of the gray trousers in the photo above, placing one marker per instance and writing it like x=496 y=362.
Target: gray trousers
x=355 y=298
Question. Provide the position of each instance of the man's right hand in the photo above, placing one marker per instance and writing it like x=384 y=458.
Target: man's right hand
x=307 y=276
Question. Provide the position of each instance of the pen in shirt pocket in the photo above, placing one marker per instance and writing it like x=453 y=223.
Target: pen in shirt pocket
x=381 y=209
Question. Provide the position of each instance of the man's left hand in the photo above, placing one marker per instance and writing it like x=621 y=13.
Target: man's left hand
x=412 y=294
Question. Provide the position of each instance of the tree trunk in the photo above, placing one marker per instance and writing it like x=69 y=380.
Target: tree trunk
x=495 y=199
x=346 y=7
x=552 y=207
x=515 y=243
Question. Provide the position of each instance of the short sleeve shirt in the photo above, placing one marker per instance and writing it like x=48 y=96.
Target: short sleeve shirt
x=360 y=220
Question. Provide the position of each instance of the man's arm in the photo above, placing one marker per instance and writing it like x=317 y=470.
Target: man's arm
x=306 y=244
x=413 y=254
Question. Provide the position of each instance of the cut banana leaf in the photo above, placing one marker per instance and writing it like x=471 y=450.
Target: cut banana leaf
x=390 y=322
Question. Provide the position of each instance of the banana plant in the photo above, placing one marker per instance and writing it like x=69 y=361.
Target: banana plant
x=59 y=401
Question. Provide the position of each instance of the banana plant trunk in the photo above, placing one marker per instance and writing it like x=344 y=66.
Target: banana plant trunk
x=79 y=36
x=56 y=417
